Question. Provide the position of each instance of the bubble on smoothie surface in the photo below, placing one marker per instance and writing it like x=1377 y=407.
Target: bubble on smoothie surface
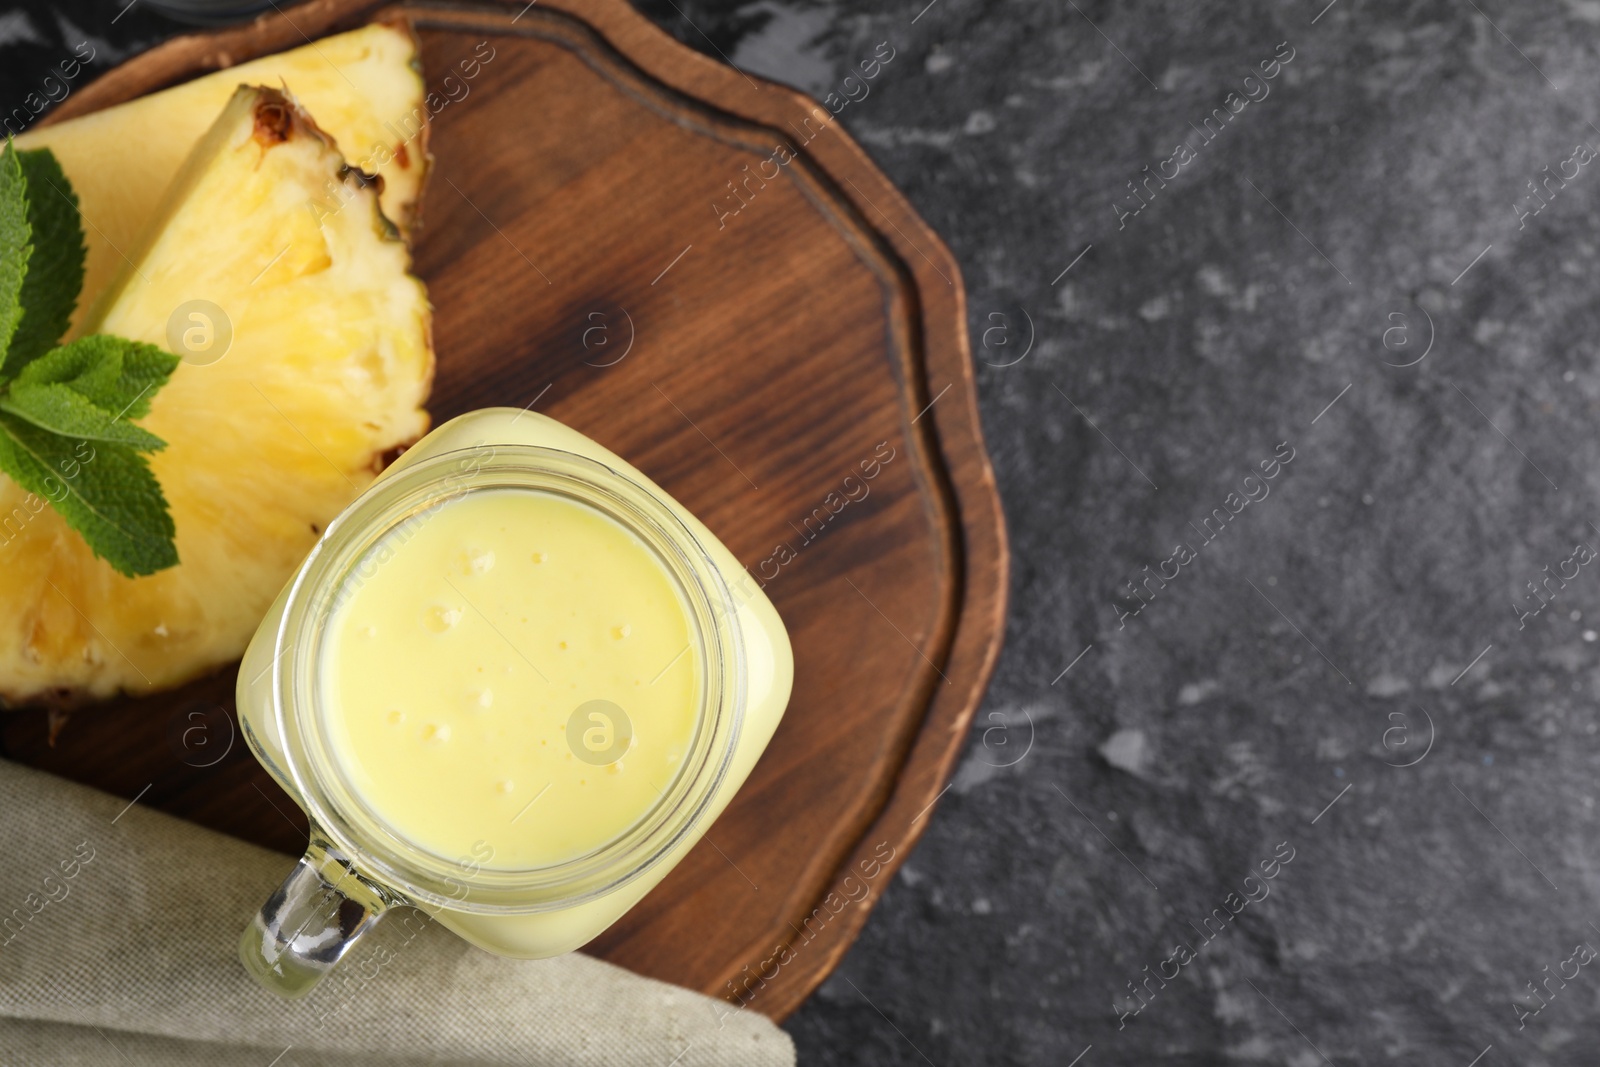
x=439 y=618
x=436 y=733
x=505 y=785
x=619 y=632
x=484 y=698
x=396 y=717
x=478 y=561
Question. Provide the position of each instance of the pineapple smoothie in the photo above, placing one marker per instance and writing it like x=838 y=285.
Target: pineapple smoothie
x=513 y=685
x=511 y=669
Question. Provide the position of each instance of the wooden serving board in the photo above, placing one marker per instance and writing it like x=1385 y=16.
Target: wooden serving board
x=748 y=363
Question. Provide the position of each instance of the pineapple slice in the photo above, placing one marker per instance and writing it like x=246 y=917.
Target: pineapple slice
x=364 y=87
x=329 y=364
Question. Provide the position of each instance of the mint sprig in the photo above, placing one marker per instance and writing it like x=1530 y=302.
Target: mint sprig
x=54 y=274
x=65 y=410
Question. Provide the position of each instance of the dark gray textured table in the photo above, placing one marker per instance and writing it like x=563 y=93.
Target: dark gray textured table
x=1372 y=675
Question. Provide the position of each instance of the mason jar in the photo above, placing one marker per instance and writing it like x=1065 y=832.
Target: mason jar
x=360 y=862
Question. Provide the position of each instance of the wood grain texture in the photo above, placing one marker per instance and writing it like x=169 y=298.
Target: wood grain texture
x=572 y=217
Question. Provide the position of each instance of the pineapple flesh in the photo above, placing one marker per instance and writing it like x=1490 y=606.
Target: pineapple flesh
x=329 y=365
x=364 y=87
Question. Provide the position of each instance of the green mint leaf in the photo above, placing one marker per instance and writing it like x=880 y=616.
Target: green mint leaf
x=60 y=409
x=117 y=375
x=65 y=429
x=54 y=273
x=14 y=247
x=106 y=492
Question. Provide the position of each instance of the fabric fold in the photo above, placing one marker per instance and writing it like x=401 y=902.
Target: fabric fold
x=119 y=928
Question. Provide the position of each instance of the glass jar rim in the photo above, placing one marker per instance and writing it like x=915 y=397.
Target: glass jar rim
x=413 y=873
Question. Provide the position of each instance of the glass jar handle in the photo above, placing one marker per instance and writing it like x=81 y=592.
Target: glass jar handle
x=310 y=921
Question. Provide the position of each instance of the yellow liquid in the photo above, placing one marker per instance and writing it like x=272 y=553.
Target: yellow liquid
x=460 y=673
x=769 y=673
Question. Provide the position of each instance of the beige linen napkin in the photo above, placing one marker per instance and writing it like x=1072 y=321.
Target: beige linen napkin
x=117 y=946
